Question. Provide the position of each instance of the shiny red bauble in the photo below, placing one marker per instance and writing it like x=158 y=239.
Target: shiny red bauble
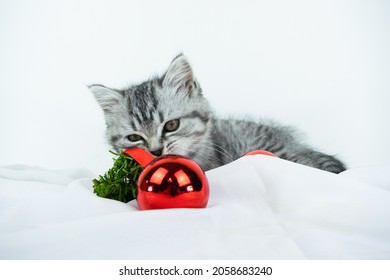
x=169 y=181
x=260 y=152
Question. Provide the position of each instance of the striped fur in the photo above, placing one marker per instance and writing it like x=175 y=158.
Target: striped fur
x=138 y=117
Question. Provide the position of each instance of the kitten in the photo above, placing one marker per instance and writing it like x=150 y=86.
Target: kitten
x=169 y=115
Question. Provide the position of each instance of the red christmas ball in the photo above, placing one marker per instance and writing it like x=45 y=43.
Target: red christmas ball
x=260 y=152
x=170 y=181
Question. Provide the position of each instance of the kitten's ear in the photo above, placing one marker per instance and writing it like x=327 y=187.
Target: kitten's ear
x=107 y=98
x=179 y=75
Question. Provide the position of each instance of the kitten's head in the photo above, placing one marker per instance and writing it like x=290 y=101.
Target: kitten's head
x=166 y=114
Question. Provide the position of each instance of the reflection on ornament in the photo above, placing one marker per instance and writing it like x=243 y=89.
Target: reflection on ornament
x=158 y=176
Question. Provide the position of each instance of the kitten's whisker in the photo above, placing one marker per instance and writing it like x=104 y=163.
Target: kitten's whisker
x=210 y=159
x=217 y=148
x=200 y=144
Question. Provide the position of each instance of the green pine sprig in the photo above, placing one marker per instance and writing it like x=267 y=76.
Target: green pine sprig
x=120 y=181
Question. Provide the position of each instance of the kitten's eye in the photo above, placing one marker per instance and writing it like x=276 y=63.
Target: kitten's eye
x=134 y=137
x=171 y=125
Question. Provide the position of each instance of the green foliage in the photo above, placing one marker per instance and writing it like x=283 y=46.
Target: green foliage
x=119 y=182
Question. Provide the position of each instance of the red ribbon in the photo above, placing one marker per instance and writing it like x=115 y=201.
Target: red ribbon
x=141 y=156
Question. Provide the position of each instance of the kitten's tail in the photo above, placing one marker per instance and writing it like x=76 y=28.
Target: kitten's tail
x=318 y=160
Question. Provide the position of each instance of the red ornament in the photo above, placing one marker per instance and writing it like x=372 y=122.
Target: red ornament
x=169 y=181
x=260 y=152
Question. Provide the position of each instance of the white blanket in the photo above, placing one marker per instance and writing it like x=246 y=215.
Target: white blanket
x=260 y=207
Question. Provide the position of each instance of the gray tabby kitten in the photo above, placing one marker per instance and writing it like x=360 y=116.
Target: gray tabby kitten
x=169 y=115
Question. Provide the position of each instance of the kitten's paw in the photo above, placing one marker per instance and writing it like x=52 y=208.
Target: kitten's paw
x=333 y=165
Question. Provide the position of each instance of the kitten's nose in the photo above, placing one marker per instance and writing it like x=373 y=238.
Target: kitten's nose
x=157 y=153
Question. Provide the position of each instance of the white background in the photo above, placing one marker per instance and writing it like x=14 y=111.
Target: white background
x=323 y=67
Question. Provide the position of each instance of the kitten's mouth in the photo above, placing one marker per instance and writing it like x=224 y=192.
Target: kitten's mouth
x=158 y=152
